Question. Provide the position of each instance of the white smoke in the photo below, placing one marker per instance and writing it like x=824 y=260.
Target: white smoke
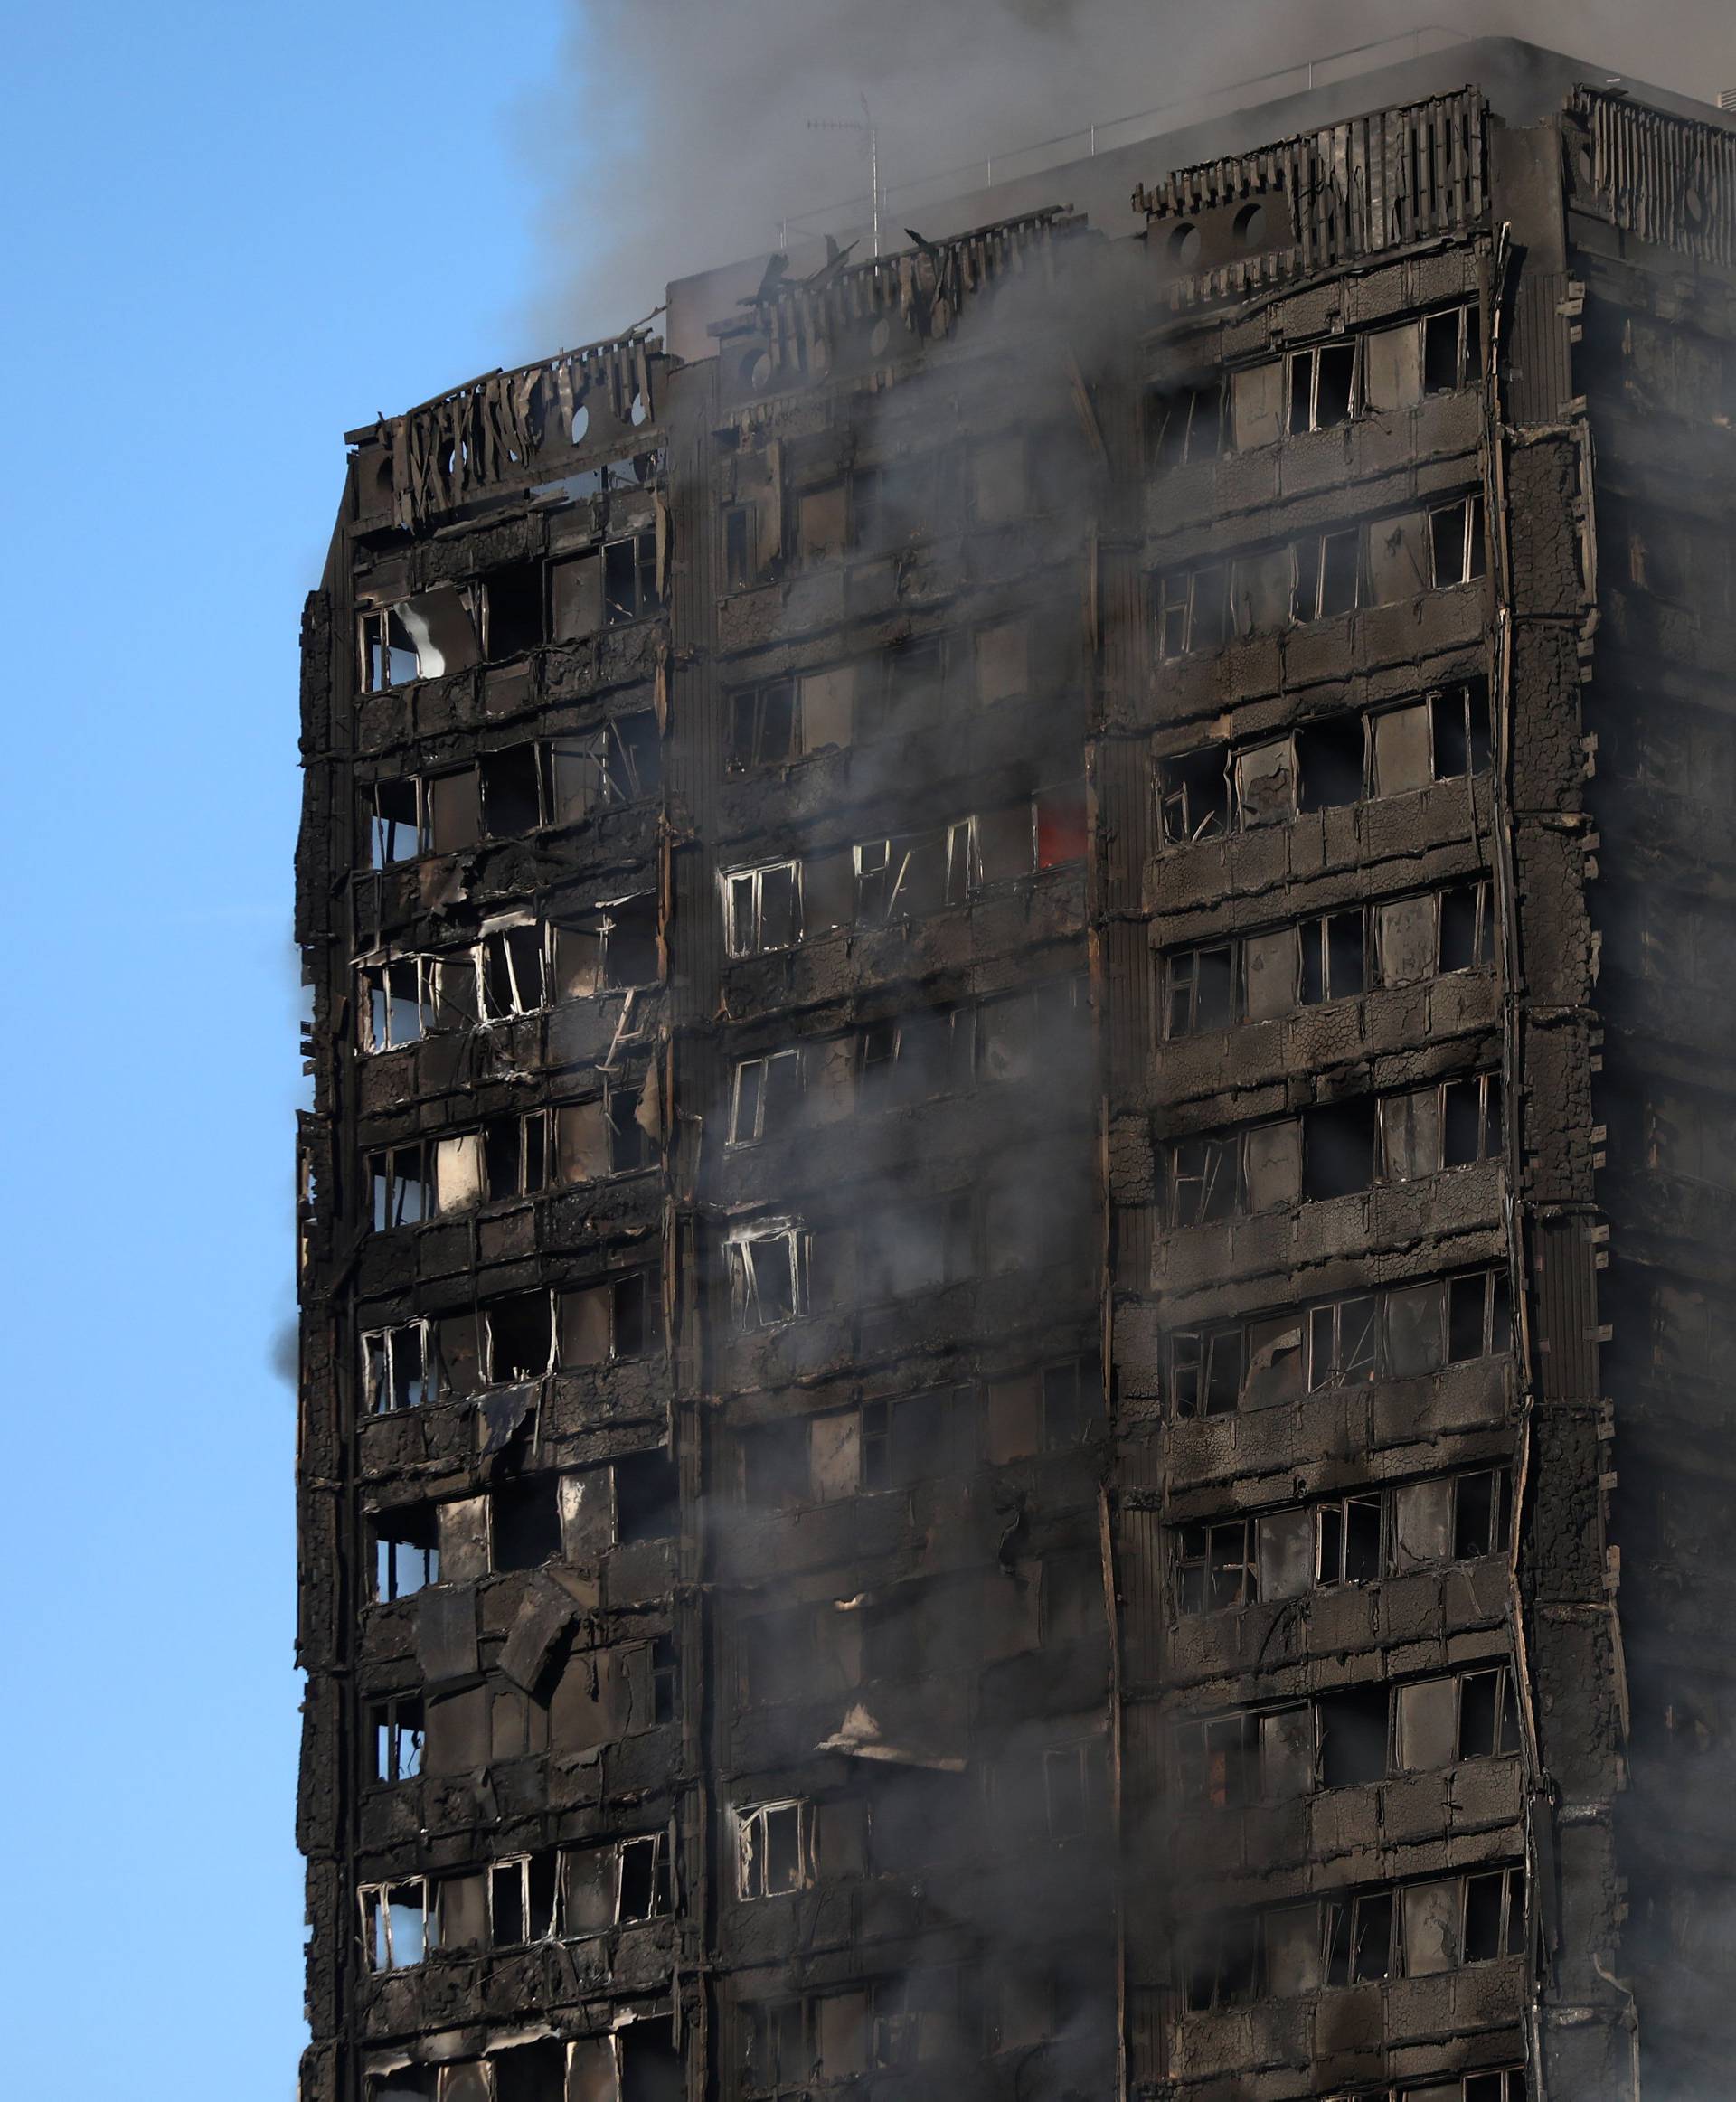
x=679 y=135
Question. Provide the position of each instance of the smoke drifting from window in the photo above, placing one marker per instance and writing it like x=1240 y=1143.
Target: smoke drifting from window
x=680 y=134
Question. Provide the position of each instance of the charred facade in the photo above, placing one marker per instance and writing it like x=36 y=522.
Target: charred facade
x=1021 y=1164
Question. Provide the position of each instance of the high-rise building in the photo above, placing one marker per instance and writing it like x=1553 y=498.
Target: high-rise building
x=1023 y=1155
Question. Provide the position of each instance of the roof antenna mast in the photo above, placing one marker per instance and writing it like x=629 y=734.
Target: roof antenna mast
x=865 y=123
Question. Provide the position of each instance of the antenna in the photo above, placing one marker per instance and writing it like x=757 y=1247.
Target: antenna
x=865 y=122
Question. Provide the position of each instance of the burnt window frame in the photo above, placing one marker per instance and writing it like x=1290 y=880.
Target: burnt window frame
x=1313 y=575
x=388 y=1169
x=1473 y=700
x=753 y=1858
x=1202 y=1565
x=375 y=997
x=386 y=1340
x=749 y=753
x=487 y=1315
x=381 y=830
x=376 y=1903
x=390 y=1721
x=387 y=1583
x=621 y=783
x=1467 y=353
x=1176 y=790
x=742 y=1263
x=1178 y=606
x=542 y=1150
x=1183 y=985
x=1206 y=1360
x=1473 y=563
x=636 y=594
x=763 y=1060
x=1205 y=1181
x=1308 y=359
x=495 y=952
x=744 y=913
x=1161 y=452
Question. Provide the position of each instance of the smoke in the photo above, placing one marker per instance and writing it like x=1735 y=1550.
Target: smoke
x=680 y=134
x=684 y=134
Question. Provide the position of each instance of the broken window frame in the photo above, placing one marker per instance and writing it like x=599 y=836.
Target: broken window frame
x=753 y=1079
x=1317 y=955
x=1206 y=776
x=388 y=657
x=896 y=1062
x=1360 y=1938
x=1482 y=945
x=1467 y=351
x=1305 y=365
x=1184 y=979
x=1185 y=424
x=1218 y=1963
x=1476 y=735
x=1216 y=1759
x=495 y=942
x=766 y=2034
x=1350 y=1936
x=750 y=707
x=397 y=1730
x=614 y=1855
x=744 y=1251
x=916 y=668
x=377 y=1000
x=659 y=1881
x=612 y=759
x=1487 y=1103
x=1185 y=778
x=1504 y=1712
x=1210 y=1174
x=380 y=1351
x=382 y=662
x=535 y=1905
x=535 y=1165
x=379 y=1932
x=1346 y=1340
x=1494 y=1535
x=1198 y=1360
x=486 y=1314
x=1335 y=1525
x=754 y=1854
x=385 y=846
x=393 y=1172
x=1318 y=574
x=916 y=2017
x=889 y=873
x=393 y=1574
x=1192 y=610
x=1205 y=1179
x=1214 y=1567
x=1208 y=1360
x=744 y=909
x=1448 y=570
x=633 y=592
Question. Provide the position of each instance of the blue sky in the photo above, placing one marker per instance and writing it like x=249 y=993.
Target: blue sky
x=203 y=293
